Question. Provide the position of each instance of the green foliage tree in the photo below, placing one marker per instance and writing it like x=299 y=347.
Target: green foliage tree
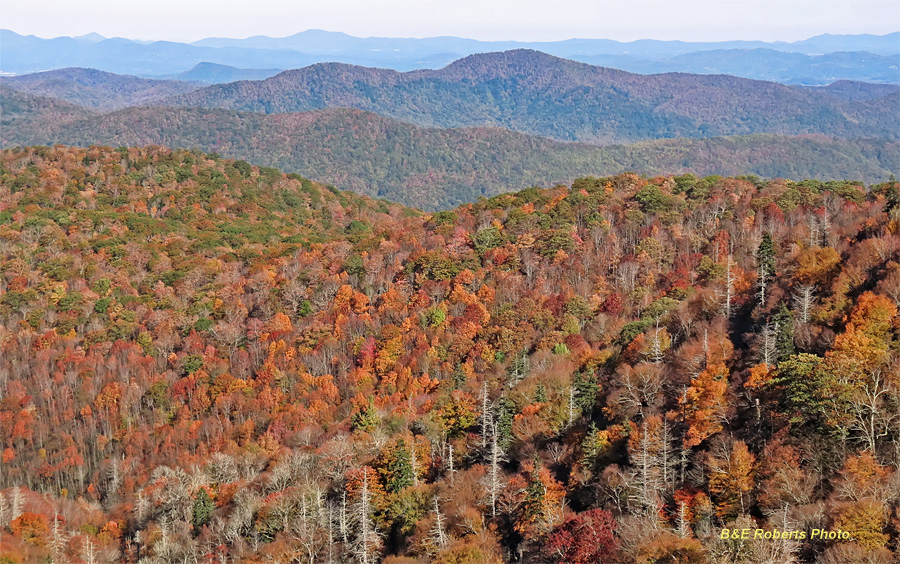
x=365 y=418
x=399 y=469
x=783 y=321
x=203 y=509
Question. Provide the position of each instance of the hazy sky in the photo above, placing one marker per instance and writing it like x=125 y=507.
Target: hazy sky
x=697 y=20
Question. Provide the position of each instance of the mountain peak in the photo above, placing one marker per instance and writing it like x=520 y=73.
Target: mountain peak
x=92 y=37
x=505 y=63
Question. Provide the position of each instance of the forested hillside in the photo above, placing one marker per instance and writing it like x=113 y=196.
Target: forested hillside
x=24 y=115
x=97 y=89
x=535 y=93
x=433 y=168
x=206 y=361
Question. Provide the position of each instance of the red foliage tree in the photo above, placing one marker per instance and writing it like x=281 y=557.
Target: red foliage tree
x=585 y=538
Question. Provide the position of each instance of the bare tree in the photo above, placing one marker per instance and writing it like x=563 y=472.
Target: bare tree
x=367 y=540
x=486 y=419
x=438 y=535
x=16 y=503
x=873 y=414
x=652 y=458
x=627 y=273
x=571 y=406
x=494 y=481
x=803 y=300
x=4 y=511
x=636 y=389
x=682 y=523
x=768 y=338
x=730 y=279
x=88 y=552
x=657 y=349
x=58 y=539
x=309 y=526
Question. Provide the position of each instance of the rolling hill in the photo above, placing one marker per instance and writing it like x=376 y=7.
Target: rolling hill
x=25 y=115
x=435 y=168
x=96 y=89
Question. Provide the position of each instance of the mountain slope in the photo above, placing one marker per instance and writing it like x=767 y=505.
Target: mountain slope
x=202 y=358
x=535 y=93
x=24 y=115
x=438 y=168
x=97 y=89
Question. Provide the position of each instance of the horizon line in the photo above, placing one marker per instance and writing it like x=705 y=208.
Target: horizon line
x=135 y=39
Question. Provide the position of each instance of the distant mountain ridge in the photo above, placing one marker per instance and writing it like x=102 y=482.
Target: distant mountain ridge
x=213 y=73
x=321 y=41
x=432 y=168
x=540 y=94
x=96 y=89
x=854 y=90
x=864 y=57
x=765 y=64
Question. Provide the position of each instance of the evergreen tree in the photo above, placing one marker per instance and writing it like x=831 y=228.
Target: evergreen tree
x=505 y=414
x=535 y=491
x=585 y=392
x=765 y=256
x=783 y=322
x=365 y=418
x=399 y=472
x=540 y=394
x=203 y=509
x=892 y=194
x=800 y=381
x=459 y=378
x=765 y=260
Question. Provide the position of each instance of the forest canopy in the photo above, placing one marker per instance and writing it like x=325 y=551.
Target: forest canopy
x=202 y=360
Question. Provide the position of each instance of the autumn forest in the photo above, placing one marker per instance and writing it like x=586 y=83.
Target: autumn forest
x=206 y=361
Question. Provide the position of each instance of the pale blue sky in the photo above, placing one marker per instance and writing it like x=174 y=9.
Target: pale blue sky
x=624 y=20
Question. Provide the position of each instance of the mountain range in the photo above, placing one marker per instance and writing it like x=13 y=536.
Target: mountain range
x=485 y=124
x=539 y=94
x=525 y=91
x=815 y=61
x=431 y=168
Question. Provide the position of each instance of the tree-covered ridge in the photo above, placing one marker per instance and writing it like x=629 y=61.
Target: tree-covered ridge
x=203 y=360
x=439 y=168
x=537 y=94
x=96 y=89
x=23 y=114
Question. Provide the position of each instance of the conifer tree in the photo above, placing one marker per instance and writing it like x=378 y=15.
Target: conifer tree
x=783 y=321
x=765 y=260
x=203 y=509
x=585 y=392
x=399 y=471
x=503 y=425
